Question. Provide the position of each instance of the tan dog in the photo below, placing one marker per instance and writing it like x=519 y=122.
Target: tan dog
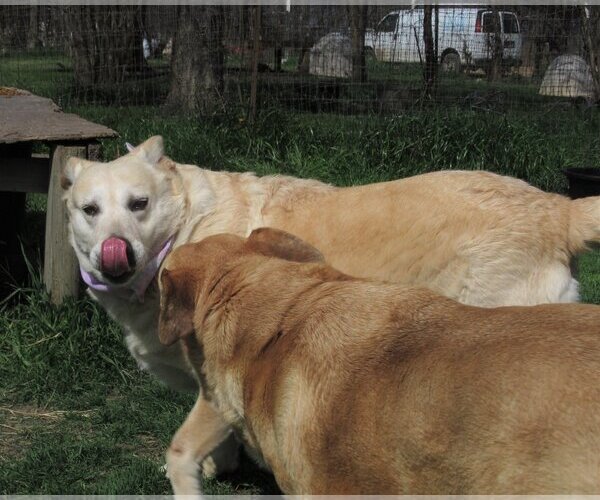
x=477 y=237
x=350 y=386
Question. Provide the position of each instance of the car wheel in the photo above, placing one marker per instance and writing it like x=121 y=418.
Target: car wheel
x=451 y=63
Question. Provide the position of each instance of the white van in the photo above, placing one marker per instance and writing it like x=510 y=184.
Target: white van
x=465 y=37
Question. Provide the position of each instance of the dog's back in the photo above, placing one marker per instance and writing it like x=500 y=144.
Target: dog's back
x=350 y=386
x=371 y=388
x=477 y=237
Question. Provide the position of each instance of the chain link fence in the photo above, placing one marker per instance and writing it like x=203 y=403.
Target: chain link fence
x=340 y=59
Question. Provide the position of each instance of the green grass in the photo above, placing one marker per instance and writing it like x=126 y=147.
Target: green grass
x=42 y=74
x=589 y=277
x=348 y=150
x=76 y=415
x=51 y=74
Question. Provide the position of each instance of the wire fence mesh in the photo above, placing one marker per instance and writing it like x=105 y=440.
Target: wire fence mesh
x=342 y=59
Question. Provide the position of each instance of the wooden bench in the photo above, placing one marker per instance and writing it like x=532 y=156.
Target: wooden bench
x=26 y=119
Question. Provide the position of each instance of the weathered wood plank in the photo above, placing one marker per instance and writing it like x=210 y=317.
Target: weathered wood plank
x=24 y=175
x=61 y=270
x=32 y=118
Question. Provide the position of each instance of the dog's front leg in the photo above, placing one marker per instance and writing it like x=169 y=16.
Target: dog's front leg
x=202 y=431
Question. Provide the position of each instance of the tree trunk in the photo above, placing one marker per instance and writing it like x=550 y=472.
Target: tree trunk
x=590 y=17
x=358 y=24
x=5 y=29
x=107 y=44
x=430 y=52
x=33 y=34
x=256 y=34
x=302 y=15
x=496 y=47
x=198 y=59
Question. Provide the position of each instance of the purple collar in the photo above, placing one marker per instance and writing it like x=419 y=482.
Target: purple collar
x=141 y=282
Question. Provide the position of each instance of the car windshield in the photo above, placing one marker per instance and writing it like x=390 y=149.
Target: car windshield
x=509 y=21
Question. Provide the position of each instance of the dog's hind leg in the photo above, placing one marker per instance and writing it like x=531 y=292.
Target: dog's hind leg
x=202 y=431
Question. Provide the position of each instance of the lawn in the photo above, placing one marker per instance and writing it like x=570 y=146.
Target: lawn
x=76 y=415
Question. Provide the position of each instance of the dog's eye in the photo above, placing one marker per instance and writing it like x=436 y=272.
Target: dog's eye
x=90 y=210
x=138 y=204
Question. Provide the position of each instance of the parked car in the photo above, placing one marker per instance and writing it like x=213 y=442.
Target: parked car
x=465 y=37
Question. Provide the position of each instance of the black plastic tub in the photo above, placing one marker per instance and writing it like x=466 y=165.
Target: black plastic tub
x=583 y=182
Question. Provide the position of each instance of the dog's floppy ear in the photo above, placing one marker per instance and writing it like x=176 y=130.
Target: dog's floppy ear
x=73 y=167
x=276 y=243
x=151 y=150
x=177 y=305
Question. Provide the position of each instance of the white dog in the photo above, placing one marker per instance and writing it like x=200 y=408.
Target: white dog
x=477 y=237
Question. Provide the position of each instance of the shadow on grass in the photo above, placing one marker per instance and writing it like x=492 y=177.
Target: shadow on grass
x=24 y=253
x=250 y=477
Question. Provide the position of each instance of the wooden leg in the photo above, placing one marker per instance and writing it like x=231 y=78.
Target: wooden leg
x=61 y=270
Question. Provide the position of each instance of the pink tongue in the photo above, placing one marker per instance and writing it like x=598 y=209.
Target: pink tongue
x=114 y=257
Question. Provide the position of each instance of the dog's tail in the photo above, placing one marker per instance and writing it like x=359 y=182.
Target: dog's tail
x=584 y=222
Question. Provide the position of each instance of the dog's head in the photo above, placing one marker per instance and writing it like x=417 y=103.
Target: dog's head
x=122 y=212
x=191 y=269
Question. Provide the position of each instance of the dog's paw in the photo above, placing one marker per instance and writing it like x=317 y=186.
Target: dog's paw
x=208 y=468
x=224 y=458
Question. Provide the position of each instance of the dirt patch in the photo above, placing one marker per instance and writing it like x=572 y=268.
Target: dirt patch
x=11 y=92
x=148 y=446
x=151 y=445
x=18 y=422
